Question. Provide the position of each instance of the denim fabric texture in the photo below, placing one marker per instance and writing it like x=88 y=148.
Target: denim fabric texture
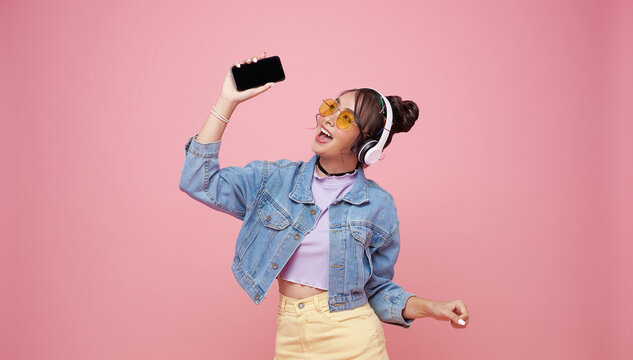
x=274 y=201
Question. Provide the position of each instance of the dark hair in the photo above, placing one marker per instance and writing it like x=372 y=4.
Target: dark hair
x=370 y=121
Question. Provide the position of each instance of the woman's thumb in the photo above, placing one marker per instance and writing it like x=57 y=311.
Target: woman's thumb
x=454 y=318
x=263 y=88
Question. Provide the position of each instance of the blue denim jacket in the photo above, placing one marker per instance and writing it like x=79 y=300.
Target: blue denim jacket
x=274 y=200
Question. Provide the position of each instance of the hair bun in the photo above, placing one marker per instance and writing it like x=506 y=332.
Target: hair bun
x=405 y=113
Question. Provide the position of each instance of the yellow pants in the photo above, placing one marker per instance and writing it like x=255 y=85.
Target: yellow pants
x=306 y=329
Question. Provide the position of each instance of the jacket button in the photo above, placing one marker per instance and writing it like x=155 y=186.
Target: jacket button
x=275 y=266
x=312 y=212
x=256 y=296
x=268 y=218
x=297 y=236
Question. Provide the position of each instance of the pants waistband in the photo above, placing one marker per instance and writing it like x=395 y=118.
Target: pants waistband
x=318 y=303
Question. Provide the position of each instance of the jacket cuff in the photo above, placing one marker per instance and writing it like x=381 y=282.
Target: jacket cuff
x=209 y=150
x=398 y=307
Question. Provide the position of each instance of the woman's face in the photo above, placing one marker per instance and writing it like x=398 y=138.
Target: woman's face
x=336 y=141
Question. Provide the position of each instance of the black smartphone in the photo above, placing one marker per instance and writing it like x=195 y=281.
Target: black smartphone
x=255 y=74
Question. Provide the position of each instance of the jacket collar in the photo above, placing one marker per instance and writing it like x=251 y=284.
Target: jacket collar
x=302 y=186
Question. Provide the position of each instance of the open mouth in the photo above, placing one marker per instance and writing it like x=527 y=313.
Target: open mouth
x=324 y=136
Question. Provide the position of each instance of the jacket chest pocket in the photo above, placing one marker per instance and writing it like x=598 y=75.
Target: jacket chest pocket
x=367 y=235
x=263 y=233
x=272 y=215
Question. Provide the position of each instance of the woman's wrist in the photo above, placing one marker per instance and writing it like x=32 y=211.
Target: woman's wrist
x=213 y=128
x=225 y=107
x=417 y=307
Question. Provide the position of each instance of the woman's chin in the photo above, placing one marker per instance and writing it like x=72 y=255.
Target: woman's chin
x=318 y=148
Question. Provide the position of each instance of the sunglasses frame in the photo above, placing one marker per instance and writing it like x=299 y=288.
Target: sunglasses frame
x=338 y=108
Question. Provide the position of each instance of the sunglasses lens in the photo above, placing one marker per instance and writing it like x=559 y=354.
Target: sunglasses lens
x=345 y=120
x=328 y=106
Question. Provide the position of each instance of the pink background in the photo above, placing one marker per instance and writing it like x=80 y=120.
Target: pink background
x=514 y=189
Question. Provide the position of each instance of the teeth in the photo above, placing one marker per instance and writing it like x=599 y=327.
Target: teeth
x=325 y=132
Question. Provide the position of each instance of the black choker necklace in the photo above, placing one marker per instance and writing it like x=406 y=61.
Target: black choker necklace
x=337 y=174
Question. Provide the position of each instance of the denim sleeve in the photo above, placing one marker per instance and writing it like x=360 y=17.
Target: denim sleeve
x=231 y=190
x=386 y=297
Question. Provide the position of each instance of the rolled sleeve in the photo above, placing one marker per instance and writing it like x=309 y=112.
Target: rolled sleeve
x=209 y=150
x=231 y=190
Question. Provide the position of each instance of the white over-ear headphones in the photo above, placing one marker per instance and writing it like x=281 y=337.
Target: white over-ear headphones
x=371 y=150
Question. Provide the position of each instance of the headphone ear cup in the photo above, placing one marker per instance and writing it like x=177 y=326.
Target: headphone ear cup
x=368 y=145
x=373 y=155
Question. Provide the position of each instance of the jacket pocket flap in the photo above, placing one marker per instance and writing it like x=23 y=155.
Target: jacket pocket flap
x=272 y=215
x=362 y=234
x=368 y=235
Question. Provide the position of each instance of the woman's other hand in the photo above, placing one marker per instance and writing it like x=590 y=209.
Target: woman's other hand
x=230 y=93
x=453 y=311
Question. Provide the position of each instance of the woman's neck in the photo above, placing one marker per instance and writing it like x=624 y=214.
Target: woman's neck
x=336 y=166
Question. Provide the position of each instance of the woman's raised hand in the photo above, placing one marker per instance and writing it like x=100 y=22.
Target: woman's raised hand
x=230 y=93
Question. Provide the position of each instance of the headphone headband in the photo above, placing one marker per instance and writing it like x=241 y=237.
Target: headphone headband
x=371 y=150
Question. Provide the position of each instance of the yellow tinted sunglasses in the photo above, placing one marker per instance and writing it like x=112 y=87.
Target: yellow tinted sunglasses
x=345 y=118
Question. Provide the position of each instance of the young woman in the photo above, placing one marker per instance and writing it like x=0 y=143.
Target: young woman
x=326 y=232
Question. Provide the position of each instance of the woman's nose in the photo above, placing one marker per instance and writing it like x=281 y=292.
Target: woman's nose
x=330 y=119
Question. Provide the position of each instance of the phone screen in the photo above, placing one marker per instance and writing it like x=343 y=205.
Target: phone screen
x=252 y=75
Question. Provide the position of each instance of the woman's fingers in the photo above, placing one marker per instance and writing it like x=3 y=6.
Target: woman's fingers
x=261 y=56
x=459 y=315
x=257 y=90
x=260 y=89
x=450 y=315
x=252 y=60
x=455 y=312
x=461 y=310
